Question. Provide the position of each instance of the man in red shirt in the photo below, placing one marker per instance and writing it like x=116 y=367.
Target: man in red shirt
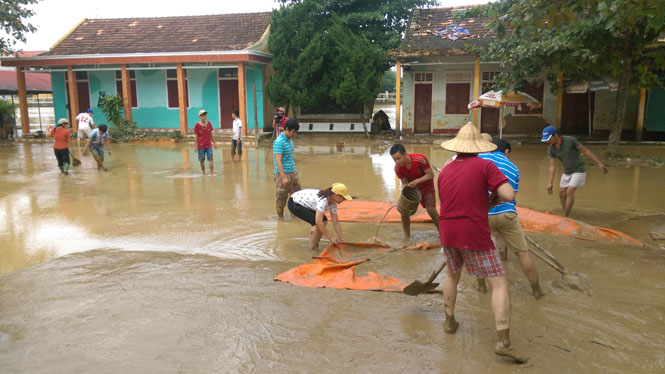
x=204 y=140
x=464 y=229
x=414 y=171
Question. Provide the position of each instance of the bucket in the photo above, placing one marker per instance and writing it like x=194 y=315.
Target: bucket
x=408 y=200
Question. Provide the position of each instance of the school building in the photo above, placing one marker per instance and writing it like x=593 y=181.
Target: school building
x=166 y=69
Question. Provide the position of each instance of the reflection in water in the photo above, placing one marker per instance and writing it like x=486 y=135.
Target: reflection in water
x=159 y=254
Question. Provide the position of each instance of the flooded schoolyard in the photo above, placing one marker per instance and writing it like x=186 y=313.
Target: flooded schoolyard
x=152 y=267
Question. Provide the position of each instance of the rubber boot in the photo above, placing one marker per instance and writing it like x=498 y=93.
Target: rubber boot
x=535 y=289
x=450 y=326
x=62 y=169
x=65 y=168
x=503 y=348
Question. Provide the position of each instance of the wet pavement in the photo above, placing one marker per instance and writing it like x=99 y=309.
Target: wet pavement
x=153 y=267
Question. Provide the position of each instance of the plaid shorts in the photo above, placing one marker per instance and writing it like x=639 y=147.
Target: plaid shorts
x=478 y=263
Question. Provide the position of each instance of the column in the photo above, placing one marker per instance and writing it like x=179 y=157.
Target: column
x=23 y=101
x=73 y=98
x=476 y=91
x=182 y=100
x=242 y=96
x=126 y=92
x=398 y=103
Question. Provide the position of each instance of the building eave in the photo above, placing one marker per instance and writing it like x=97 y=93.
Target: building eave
x=140 y=58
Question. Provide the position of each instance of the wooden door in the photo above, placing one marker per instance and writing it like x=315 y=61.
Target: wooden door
x=489 y=117
x=423 y=109
x=228 y=102
x=84 y=96
x=575 y=113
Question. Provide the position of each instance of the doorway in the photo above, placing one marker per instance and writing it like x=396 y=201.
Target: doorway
x=422 y=120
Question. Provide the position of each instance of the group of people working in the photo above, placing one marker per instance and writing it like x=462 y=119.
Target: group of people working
x=477 y=190
x=96 y=139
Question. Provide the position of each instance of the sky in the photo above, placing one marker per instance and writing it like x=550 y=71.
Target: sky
x=54 y=18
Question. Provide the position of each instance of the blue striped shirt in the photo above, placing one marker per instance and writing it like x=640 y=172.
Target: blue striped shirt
x=511 y=172
x=284 y=146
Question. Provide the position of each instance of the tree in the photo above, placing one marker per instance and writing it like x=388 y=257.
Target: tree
x=331 y=53
x=12 y=14
x=388 y=81
x=580 y=38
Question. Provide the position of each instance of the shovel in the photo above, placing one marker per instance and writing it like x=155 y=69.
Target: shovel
x=75 y=161
x=418 y=287
x=572 y=280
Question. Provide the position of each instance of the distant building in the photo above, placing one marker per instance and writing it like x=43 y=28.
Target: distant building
x=441 y=77
x=167 y=69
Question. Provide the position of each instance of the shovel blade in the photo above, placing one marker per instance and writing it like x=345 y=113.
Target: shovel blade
x=418 y=287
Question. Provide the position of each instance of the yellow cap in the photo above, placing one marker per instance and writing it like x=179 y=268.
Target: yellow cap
x=341 y=189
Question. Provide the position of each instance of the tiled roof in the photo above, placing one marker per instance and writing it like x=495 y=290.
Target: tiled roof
x=223 y=32
x=421 y=32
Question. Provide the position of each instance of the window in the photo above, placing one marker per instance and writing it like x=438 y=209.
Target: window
x=458 y=91
x=422 y=77
x=228 y=72
x=132 y=83
x=172 y=88
x=537 y=92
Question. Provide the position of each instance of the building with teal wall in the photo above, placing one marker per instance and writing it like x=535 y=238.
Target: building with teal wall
x=222 y=71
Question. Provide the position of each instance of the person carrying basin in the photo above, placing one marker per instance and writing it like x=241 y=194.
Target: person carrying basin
x=414 y=171
x=311 y=205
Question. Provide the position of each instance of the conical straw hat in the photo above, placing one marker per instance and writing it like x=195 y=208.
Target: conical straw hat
x=468 y=140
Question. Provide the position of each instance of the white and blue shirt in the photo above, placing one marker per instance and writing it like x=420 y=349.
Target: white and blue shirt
x=96 y=138
x=511 y=172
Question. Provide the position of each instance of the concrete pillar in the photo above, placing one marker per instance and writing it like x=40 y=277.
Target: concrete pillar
x=398 y=101
x=182 y=99
x=23 y=101
x=126 y=92
x=73 y=98
x=242 y=97
x=476 y=91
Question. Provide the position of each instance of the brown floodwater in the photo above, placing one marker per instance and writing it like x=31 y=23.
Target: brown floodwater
x=152 y=267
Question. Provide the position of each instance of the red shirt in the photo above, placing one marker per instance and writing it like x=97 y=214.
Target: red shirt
x=463 y=186
x=204 y=134
x=61 y=138
x=419 y=164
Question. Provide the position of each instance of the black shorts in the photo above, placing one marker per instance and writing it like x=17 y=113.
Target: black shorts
x=304 y=213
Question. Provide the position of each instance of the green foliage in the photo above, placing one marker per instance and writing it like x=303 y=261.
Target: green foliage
x=119 y=128
x=6 y=107
x=388 y=81
x=123 y=130
x=113 y=108
x=12 y=14
x=579 y=38
x=333 y=51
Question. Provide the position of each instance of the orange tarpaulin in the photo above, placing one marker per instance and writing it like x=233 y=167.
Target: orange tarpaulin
x=531 y=221
x=332 y=270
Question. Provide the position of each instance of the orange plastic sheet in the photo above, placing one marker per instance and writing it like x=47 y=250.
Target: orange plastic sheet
x=332 y=269
x=531 y=221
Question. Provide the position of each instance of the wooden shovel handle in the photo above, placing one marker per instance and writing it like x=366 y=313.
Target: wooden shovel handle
x=436 y=272
x=540 y=248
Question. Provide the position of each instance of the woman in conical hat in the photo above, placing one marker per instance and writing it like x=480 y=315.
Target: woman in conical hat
x=465 y=233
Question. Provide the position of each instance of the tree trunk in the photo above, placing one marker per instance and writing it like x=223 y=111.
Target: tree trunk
x=622 y=97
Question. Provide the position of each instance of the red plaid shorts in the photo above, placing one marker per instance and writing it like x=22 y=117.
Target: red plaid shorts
x=478 y=263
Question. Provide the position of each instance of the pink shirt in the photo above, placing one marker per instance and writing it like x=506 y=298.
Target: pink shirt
x=463 y=186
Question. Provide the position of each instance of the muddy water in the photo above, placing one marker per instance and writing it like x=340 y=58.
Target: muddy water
x=152 y=267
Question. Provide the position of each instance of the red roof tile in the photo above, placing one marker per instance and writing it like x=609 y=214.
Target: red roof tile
x=222 y=32
x=34 y=82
